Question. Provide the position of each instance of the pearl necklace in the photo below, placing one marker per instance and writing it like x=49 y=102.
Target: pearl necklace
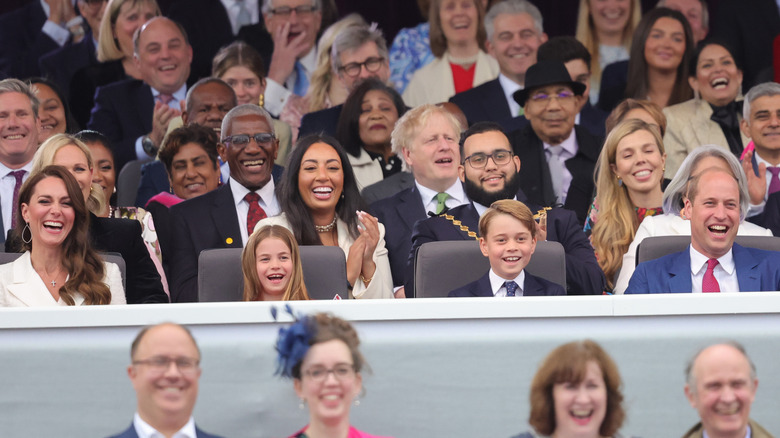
x=326 y=228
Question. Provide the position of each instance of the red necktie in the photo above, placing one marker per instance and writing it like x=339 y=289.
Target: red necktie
x=255 y=212
x=709 y=283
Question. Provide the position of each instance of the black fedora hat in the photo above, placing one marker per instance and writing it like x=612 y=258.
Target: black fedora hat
x=545 y=73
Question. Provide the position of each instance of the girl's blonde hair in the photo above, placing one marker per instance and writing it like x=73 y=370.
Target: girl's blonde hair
x=253 y=290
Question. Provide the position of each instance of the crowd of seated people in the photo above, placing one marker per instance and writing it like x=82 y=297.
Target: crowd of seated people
x=297 y=118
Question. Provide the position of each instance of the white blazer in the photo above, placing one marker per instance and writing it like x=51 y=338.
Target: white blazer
x=367 y=170
x=381 y=285
x=21 y=286
x=434 y=84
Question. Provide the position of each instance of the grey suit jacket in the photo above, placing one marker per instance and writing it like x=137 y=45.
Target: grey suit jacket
x=387 y=187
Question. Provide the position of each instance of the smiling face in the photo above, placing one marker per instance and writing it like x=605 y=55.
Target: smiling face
x=50 y=213
x=492 y=178
x=192 y=172
x=209 y=103
x=508 y=246
x=434 y=154
x=717 y=77
x=360 y=55
x=165 y=395
x=723 y=390
x=714 y=213
x=73 y=158
x=763 y=126
x=51 y=112
x=247 y=85
x=378 y=115
x=665 y=44
x=639 y=163
x=514 y=44
x=553 y=119
x=131 y=17
x=164 y=56
x=580 y=408
x=610 y=16
x=328 y=400
x=103 y=173
x=308 y=23
x=458 y=20
x=321 y=178
x=251 y=165
x=19 y=128
x=274 y=267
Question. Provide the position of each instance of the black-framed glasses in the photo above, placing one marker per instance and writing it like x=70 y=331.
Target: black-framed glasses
x=544 y=98
x=340 y=372
x=286 y=11
x=479 y=160
x=159 y=364
x=372 y=64
x=242 y=140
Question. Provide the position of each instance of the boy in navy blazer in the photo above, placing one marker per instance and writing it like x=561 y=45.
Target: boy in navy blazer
x=508 y=240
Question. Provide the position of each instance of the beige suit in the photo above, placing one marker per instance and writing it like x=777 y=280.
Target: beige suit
x=756 y=431
x=21 y=286
x=688 y=126
x=434 y=84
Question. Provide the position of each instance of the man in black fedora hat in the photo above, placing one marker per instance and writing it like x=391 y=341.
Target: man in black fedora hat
x=558 y=157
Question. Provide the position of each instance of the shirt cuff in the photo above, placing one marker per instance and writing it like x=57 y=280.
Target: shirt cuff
x=59 y=34
x=140 y=153
x=275 y=97
x=755 y=210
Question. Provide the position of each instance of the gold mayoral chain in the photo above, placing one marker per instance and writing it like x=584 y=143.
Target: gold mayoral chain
x=539 y=214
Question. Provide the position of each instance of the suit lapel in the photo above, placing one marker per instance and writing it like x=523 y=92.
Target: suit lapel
x=483 y=287
x=680 y=272
x=497 y=106
x=27 y=286
x=144 y=102
x=411 y=208
x=748 y=277
x=532 y=287
x=225 y=218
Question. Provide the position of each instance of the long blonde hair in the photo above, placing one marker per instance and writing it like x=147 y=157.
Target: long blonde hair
x=586 y=33
x=616 y=226
x=253 y=290
x=108 y=46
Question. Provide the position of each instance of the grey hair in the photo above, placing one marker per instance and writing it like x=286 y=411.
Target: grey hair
x=767 y=89
x=678 y=188
x=690 y=379
x=352 y=38
x=12 y=85
x=209 y=80
x=513 y=7
x=244 y=110
x=267 y=6
x=705 y=13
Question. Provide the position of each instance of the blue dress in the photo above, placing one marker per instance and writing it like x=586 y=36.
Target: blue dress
x=411 y=50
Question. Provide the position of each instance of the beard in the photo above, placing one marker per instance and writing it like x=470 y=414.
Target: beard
x=480 y=196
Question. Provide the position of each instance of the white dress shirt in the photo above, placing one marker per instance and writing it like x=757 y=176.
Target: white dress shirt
x=497 y=284
x=570 y=149
x=232 y=7
x=267 y=202
x=276 y=94
x=510 y=87
x=7 y=183
x=145 y=430
x=178 y=97
x=725 y=272
x=428 y=196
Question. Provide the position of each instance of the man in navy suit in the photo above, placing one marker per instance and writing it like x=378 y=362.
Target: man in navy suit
x=490 y=172
x=135 y=114
x=713 y=262
x=514 y=34
x=166 y=394
x=426 y=137
x=508 y=240
x=223 y=218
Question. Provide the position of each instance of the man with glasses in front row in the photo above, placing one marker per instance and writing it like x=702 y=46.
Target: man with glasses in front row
x=558 y=157
x=164 y=371
x=224 y=218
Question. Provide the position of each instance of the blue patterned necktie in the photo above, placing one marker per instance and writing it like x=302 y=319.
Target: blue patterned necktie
x=301 y=81
x=511 y=288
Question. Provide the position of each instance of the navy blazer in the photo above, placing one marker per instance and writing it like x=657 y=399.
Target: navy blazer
x=123 y=112
x=613 y=85
x=534 y=287
x=206 y=222
x=535 y=179
x=770 y=217
x=387 y=187
x=61 y=64
x=757 y=270
x=594 y=120
x=398 y=214
x=23 y=42
x=130 y=433
x=320 y=122
x=583 y=274
x=486 y=102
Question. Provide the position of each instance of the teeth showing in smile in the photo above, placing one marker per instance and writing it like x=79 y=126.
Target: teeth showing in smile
x=581 y=414
x=444 y=160
x=172 y=389
x=331 y=397
x=322 y=190
x=511 y=259
x=720 y=229
x=642 y=173
x=51 y=224
x=250 y=163
x=193 y=186
x=731 y=410
x=720 y=83
x=15 y=137
x=167 y=67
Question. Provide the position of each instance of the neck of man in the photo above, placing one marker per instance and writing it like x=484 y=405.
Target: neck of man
x=14 y=164
x=324 y=429
x=166 y=424
x=769 y=155
x=437 y=185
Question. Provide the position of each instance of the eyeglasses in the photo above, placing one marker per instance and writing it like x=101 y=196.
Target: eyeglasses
x=286 y=11
x=340 y=372
x=242 y=140
x=159 y=364
x=372 y=65
x=480 y=159
x=545 y=99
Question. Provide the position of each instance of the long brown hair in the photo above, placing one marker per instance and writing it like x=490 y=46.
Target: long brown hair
x=253 y=290
x=83 y=264
x=439 y=41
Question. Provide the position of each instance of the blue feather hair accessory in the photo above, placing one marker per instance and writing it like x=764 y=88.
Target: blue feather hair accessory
x=293 y=342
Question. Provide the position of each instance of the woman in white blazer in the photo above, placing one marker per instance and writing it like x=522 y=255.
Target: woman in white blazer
x=457 y=38
x=59 y=266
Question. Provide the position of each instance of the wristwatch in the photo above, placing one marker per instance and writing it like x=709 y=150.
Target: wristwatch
x=149 y=146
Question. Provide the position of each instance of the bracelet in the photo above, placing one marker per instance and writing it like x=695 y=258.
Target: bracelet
x=365 y=280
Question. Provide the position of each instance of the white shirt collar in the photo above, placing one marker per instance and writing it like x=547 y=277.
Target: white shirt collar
x=145 y=430
x=178 y=96
x=457 y=195
x=4 y=170
x=510 y=87
x=569 y=146
x=699 y=261
x=497 y=283
x=266 y=192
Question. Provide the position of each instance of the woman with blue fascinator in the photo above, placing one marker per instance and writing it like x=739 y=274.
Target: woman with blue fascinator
x=320 y=353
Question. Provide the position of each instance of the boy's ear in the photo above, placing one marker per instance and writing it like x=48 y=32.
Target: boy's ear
x=483 y=246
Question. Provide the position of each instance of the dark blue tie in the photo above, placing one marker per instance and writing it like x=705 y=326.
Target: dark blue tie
x=511 y=287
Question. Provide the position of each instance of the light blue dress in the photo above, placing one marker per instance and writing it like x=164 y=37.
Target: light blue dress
x=411 y=50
